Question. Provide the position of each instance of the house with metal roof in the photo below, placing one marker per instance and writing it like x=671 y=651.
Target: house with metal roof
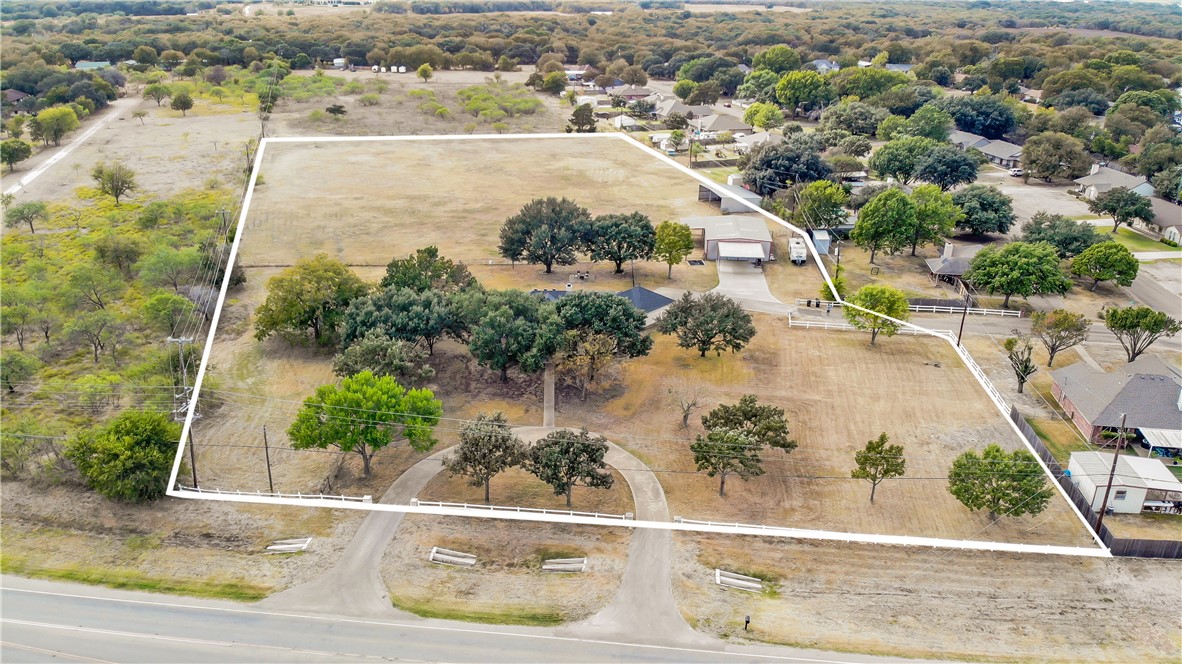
x=734 y=237
x=1102 y=179
x=952 y=262
x=749 y=141
x=728 y=197
x=1137 y=483
x=1148 y=392
x=822 y=65
x=1002 y=153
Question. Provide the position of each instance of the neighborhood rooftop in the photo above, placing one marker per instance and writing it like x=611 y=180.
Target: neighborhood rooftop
x=1131 y=471
x=1147 y=391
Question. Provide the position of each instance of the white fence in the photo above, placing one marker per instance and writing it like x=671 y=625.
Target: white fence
x=535 y=510
x=304 y=496
x=825 y=325
x=929 y=309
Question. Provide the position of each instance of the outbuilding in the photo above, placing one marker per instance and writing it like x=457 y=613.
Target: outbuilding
x=728 y=197
x=1137 y=485
x=734 y=237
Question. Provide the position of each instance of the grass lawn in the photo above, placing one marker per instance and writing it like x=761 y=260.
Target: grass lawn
x=1138 y=242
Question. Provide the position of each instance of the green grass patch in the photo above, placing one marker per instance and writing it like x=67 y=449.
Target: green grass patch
x=1138 y=242
x=1059 y=437
x=129 y=579
x=507 y=615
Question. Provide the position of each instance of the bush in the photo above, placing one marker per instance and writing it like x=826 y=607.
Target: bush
x=368 y=100
x=129 y=459
x=1168 y=242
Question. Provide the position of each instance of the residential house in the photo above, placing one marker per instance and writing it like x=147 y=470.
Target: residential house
x=1138 y=484
x=89 y=65
x=576 y=73
x=1147 y=392
x=952 y=262
x=728 y=197
x=1167 y=219
x=734 y=238
x=1002 y=153
x=670 y=106
x=964 y=140
x=1101 y=179
x=716 y=124
x=644 y=299
x=12 y=96
x=823 y=65
x=746 y=69
x=1028 y=95
x=626 y=123
x=630 y=92
x=748 y=141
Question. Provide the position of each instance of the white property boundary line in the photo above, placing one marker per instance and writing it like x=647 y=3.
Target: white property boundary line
x=736 y=529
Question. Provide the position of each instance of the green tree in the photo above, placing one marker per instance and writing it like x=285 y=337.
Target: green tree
x=1018 y=352
x=16 y=316
x=866 y=82
x=329 y=418
x=13 y=151
x=935 y=215
x=1059 y=330
x=164 y=311
x=887 y=222
x=427 y=270
x=804 y=91
x=606 y=313
x=879 y=461
x=553 y=83
x=92 y=328
x=1124 y=205
x=880 y=300
x=510 y=329
x=565 y=459
x=946 y=167
x=93 y=285
x=900 y=158
x=986 y=209
x=1018 y=268
x=383 y=356
x=547 y=231
x=1106 y=261
x=26 y=214
x=684 y=88
x=16 y=367
x=582 y=120
x=723 y=452
x=673 y=241
x=987 y=115
x=1055 y=155
x=1069 y=237
x=780 y=59
x=1138 y=327
x=769 y=167
x=401 y=313
x=170 y=267
x=157 y=92
x=763 y=425
x=763 y=115
x=1004 y=484
x=118 y=250
x=182 y=102
x=711 y=322
x=853 y=116
x=487 y=448
x=425 y=72
x=311 y=295
x=584 y=357
x=54 y=123
x=145 y=55
x=116 y=180
x=821 y=204
x=621 y=237
x=130 y=458
x=930 y=122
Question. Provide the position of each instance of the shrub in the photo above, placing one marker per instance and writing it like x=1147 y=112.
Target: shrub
x=368 y=100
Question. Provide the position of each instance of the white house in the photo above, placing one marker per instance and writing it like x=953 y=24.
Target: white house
x=823 y=65
x=1167 y=218
x=734 y=238
x=1002 y=153
x=1102 y=179
x=715 y=124
x=626 y=123
x=1137 y=481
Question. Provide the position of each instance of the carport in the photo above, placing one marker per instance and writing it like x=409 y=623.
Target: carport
x=740 y=251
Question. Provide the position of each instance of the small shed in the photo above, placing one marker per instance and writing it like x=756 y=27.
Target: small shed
x=734 y=238
x=728 y=197
x=1137 y=481
x=821 y=240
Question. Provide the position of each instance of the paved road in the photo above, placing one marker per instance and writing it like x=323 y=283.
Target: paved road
x=57 y=154
x=47 y=621
x=1148 y=291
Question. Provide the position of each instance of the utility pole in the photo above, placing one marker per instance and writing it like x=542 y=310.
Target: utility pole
x=1111 y=473
x=267 y=451
x=181 y=401
x=964 y=314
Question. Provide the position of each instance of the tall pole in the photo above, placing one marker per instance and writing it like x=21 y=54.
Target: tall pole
x=267 y=452
x=964 y=314
x=193 y=460
x=1111 y=473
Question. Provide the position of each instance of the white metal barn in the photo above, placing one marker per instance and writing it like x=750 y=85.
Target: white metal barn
x=734 y=237
x=1137 y=481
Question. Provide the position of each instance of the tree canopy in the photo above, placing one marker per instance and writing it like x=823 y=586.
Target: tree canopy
x=880 y=299
x=620 y=238
x=1069 y=237
x=427 y=270
x=565 y=459
x=711 y=322
x=1138 y=327
x=986 y=209
x=130 y=458
x=1004 y=484
x=673 y=241
x=487 y=448
x=548 y=231
x=879 y=461
x=609 y=314
x=887 y=222
x=1106 y=261
x=1124 y=205
x=1018 y=268
x=312 y=295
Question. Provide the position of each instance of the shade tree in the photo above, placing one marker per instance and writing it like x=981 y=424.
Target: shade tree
x=672 y=243
x=1106 y=261
x=488 y=447
x=879 y=461
x=1001 y=483
x=1137 y=328
x=1059 y=330
x=1069 y=237
x=548 y=231
x=935 y=215
x=874 y=307
x=986 y=209
x=620 y=238
x=1124 y=205
x=130 y=458
x=710 y=322
x=886 y=223
x=310 y=296
x=427 y=270
x=1018 y=268
x=565 y=459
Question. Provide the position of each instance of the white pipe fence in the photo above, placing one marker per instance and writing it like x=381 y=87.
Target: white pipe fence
x=846 y=327
x=298 y=495
x=628 y=516
x=931 y=309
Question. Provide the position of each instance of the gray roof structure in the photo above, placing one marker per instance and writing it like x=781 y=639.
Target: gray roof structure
x=964 y=139
x=954 y=262
x=1001 y=149
x=731 y=227
x=1165 y=213
x=898 y=67
x=720 y=123
x=1131 y=471
x=731 y=191
x=759 y=138
x=1110 y=177
x=1147 y=391
x=644 y=299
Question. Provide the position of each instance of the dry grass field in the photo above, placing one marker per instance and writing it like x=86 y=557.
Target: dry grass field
x=919 y=603
x=837 y=393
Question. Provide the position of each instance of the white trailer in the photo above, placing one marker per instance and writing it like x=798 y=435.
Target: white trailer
x=797 y=250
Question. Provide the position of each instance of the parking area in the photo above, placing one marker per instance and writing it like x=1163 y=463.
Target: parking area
x=1032 y=197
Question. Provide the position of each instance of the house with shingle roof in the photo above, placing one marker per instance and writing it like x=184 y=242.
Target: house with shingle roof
x=1148 y=392
x=965 y=140
x=1002 y=153
x=1102 y=179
